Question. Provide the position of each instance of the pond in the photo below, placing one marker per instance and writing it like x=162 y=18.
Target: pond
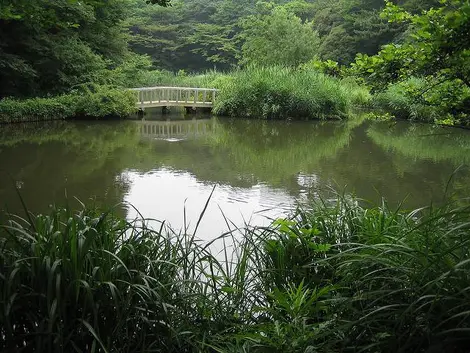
x=167 y=169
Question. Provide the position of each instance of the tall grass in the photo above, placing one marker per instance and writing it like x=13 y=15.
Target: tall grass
x=280 y=93
x=92 y=282
x=208 y=79
x=335 y=277
x=400 y=279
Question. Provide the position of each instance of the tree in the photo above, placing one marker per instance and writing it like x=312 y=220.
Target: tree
x=215 y=43
x=436 y=49
x=436 y=46
x=48 y=46
x=277 y=38
x=348 y=27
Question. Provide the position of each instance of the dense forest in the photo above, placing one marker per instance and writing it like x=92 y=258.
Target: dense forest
x=413 y=55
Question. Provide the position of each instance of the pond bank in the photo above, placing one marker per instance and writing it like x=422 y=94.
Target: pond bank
x=260 y=93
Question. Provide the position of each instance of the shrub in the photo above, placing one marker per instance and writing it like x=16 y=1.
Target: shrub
x=399 y=101
x=417 y=99
x=104 y=101
x=12 y=110
x=327 y=67
x=95 y=101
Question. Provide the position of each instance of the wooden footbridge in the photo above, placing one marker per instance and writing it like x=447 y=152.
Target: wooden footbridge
x=151 y=97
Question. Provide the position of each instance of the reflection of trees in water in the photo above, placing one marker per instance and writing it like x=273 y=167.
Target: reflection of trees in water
x=58 y=159
x=374 y=170
x=436 y=159
x=247 y=152
x=419 y=141
x=89 y=158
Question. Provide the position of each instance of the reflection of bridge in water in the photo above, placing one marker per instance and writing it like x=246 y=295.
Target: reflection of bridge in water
x=176 y=129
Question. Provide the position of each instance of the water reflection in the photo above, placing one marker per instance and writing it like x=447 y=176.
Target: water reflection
x=169 y=195
x=174 y=131
x=162 y=166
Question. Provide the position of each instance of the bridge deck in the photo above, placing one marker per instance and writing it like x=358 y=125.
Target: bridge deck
x=148 y=97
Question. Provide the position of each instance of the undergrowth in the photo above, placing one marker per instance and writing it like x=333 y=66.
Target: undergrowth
x=84 y=102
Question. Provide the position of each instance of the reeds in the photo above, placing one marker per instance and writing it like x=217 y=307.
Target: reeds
x=333 y=277
x=281 y=93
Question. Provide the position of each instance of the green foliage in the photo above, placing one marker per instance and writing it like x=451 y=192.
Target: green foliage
x=52 y=46
x=399 y=278
x=135 y=71
x=95 y=283
x=215 y=43
x=96 y=102
x=103 y=101
x=278 y=38
x=436 y=49
x=197 y=35
x=334 y=277
x=327 y=67
x=280 y=93
x=348 y=27
x=398 y=100
x=12 y=110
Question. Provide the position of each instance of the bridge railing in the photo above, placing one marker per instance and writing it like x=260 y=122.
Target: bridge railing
x=148 y=96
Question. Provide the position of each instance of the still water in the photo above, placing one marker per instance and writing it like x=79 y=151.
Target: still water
x=168 y=169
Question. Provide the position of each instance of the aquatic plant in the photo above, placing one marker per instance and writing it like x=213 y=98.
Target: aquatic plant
x=281 y=93
x=333 y=277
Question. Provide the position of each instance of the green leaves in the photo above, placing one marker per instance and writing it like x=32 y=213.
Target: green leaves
x=295 y=41
x=102 y=102
x=394 y=13
x=435 y=50
x=51 y=46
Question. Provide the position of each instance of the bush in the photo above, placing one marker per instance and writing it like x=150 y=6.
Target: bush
x=280 y=93
x=95 y=102
x=103 y=101
x=12 y=110
x=398 y=100
x=417 y=99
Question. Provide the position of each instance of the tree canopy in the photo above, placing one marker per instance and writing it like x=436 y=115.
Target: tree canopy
x=277 y=38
